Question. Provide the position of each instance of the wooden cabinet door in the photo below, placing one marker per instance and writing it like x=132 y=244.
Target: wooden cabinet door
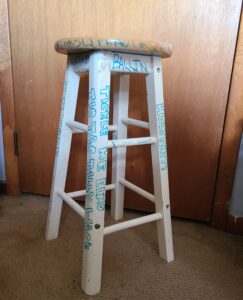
x=196 y=83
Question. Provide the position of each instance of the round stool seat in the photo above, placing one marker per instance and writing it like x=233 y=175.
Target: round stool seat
x=84 y=44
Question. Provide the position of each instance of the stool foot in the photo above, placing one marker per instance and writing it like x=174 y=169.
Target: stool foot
x=54 y=216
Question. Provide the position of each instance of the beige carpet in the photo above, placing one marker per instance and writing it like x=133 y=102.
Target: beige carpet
x=208 y=263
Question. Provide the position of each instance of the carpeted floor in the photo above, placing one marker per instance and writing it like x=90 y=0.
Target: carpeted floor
x=208 y=263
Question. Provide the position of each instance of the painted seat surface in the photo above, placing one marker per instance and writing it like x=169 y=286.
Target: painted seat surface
x=84 y=44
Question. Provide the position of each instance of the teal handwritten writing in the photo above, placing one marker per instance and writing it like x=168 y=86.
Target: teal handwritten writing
x=61 y=117
x=161 y=136
x=92 y=137
x=104 y=110
x=102 y=162
x=120 y=63
x=90 y=178
x=100 y=194
x=88 y=226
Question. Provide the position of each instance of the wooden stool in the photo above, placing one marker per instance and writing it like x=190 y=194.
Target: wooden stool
x=100 y=57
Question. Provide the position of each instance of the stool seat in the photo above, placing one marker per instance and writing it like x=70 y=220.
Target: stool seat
x=84 y=44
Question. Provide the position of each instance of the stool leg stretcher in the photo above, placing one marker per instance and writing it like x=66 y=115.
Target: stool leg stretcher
x=83 y=192
x=138 y=123
x=100 y=64
x=80 y=127
x=137 y=189
x=132 y=223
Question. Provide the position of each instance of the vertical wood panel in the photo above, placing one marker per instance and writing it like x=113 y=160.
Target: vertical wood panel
x=230 y=146
x=7 y=102
x=197 y=78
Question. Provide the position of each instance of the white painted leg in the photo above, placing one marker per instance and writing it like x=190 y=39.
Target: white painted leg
x=159 y=158
x=120 y=110
x=98 y=122
x=69 y=101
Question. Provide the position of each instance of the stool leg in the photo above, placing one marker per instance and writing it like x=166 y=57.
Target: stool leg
x=98 y=121
x=64 y=138
x=159 y=158
x=120 y=110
